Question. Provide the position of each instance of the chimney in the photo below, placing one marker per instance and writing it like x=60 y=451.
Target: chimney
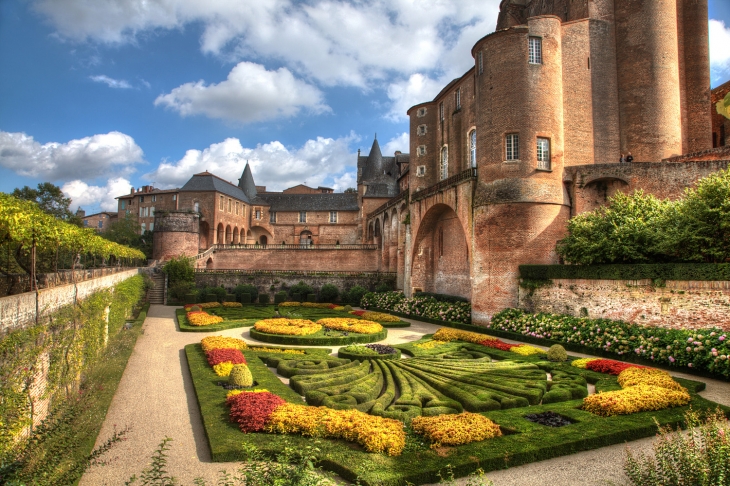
x=131 y=191
x=398 y=152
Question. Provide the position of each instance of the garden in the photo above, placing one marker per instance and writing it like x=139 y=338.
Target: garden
x=457 y=400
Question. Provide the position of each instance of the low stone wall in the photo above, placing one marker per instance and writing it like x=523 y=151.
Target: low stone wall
x=264 y=282
x=343 y=259
x=679 y=304
x=20 y=309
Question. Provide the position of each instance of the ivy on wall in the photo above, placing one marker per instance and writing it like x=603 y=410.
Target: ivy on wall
x=45 y=362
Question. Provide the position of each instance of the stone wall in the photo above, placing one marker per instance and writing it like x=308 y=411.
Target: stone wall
x=229 y=280
x=679 y=304
x=311 y=259
x=20 y=309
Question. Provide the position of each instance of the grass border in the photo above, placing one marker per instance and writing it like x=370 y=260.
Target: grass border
x=351 y=338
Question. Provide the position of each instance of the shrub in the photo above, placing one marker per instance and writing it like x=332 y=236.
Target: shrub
x=179 y=269
x=202 y=318
x=219 y=292
x=557 y=353
x=195 y=308
x=610 y=366
x=383 y=287
x=240 y=376
x=311 y=298
x=634 y=399
x=291 y=327
x=263 y=298
x=296 y=297
x=222 y=342
x=245 y=298
x=347 y=308
x=355 y=294
x=280 y=297
x=419 y=306
x=328 y=293
x=302 y=289
x=232 y=304
x=246 y=289
x=351 y=325
x=180 y=290
x=229 y=298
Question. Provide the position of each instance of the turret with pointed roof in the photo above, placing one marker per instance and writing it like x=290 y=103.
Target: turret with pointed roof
x=246 y=183
x=379 y=173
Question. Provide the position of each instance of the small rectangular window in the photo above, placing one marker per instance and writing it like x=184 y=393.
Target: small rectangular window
x=421 y=150
x=141 y=199
x=272 y=217
x=236 y=207
x=422 y=129
x=333 y=216
x=101 y=224
x=154 y=198
x=512 y=146
x=230 y=205
x=220 y=204
x=481 y=63
x=124 y=204
x=543 y=153
x=174 y=197
x=535 y=44
x=152 y=226
x=441 y=111
x=421 y=112
x=258 y=214
x=457 y=98
x=86 y=223
x=144 y=227
x=302 y=216
x=152 y=211
x=141 y=212
x=421 y=171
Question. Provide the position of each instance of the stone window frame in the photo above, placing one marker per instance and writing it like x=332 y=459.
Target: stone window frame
x=333 y=217
x=257 y=212
x=480 y=62
x=441 y=111
x=272 y=217
x=421 y=112
x=512 y=147
x=221 y=203
x=123 y=204
x=471 y=141
x=543 y=154
x=457 y=98
x=302 y=216
x=230 y=205
x=174 y=197
x=422 y=129
x=421 y=171
x=444 y=163
x=421 y=150
x=534 y=49
x=141 y=199
x=154 y=198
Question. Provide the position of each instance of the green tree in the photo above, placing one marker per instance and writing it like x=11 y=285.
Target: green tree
x=51 y=199
x=628 y=230
x=179 y=269
x=124 y=232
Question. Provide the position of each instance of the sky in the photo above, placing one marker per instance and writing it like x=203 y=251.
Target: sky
x=102 y=95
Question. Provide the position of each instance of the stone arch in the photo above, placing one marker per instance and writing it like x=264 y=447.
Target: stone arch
x=305 y=238
x=597 y=192
x=377 y=234
x=204 y=236
x=236 y=236
x=440 y=252
x=263 y=240
x=220 y=234
x=371 y=233
x=385 y=247
x=258 y=232
x=249 y=237
x=229 y=235
x=209 y=263
x=393 y=241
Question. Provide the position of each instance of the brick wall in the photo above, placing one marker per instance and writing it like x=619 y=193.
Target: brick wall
x=680 y=305
x=309 y=259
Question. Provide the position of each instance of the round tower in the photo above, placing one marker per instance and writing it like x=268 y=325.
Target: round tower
x=647 y=54
x=176 y=233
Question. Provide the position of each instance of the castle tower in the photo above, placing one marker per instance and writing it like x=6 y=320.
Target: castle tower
x=176 y=234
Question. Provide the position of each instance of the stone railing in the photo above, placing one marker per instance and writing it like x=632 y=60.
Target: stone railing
x=460 y=178
x=400 y=197
x=19 y=283
x=304 y=273
x=301 y=246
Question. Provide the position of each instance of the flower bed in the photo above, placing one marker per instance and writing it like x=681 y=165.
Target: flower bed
x=639 y=398
x=706 y=350
x=351 y=325
x=220 y=355
x=288 y=327
x=376 y=316
x=447 y=334
x=222 y=342
x=610 y=366
x=232 y=304
x=202 y=318
x=452 y=430
x=421 y=306
x=205 y=305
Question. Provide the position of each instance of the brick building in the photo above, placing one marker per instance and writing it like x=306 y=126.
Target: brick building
x=501 y=158
x=720 y=124
x=99 y=221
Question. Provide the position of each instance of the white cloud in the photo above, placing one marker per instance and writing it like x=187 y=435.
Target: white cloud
x=96 y=198
x=275 y=166
x=401 y=142
x=111 y=82
x=418 y=88
x=87 y=158
x=719 y=51
x=250 y=94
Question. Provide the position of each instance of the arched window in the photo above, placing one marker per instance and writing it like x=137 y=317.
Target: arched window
x=196 y=207
x=444 y=163
x=473 y=148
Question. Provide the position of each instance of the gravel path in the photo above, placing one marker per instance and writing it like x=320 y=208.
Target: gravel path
x=156 y=399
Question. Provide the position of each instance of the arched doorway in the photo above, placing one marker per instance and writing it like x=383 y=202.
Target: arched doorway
x=220 y=234
x=236 y=236
x=229 y=235
x=441 y=254
x=209 y=263
x=305 y=238
x=263 y=240
x=203 y=236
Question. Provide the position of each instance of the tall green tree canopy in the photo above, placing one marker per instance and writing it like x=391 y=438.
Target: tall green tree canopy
x=50 y=199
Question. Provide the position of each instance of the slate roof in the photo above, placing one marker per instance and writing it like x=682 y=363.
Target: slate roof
x=246 y=183
x=378 y=173
x=312 y=202
x=205 y=181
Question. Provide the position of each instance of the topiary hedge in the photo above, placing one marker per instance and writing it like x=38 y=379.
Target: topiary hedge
x=651 y=271
x=319 y=338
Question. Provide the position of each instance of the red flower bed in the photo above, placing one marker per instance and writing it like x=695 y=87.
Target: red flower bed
x=217 y=356
x=610 y=366
x=332 y=306
x=358 y=313
x=251 y=411
x=497 y=344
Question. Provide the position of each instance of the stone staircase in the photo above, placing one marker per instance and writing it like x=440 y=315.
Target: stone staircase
x=156 y=295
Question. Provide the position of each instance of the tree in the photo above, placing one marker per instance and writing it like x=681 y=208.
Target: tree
x=124 y=232
x=350 y=190
x=51 y=199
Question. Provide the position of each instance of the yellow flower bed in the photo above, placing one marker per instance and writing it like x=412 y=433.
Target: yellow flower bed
x=222 y=342
x=634 y=399
x=270 y=350
x=208 y=305
x=648 y=376
x=452 y=430
x=582 y=363
x=290 y=327
x=289 y=304
x=526 y=350
x=339 y=308
x=238 y=392
x=223 y=369
x=430 y=344
x=316 y=305
x=202 y=318
x=375 y=434
x=448 y=334
x=232 y=304
x=351 y=325
x=379 y=316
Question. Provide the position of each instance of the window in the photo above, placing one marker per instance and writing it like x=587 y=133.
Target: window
x=512 y=149
x=144 y=227
x=457 y=98
x=86 y=223
x=220 y=205
x=441 y=111
x=421 y=112
x=141 y=212
x=230 y=205
x=473 y=148
x=141 y=199
x=154 y=198
x=421 y=171
x=421 y=150
x=543 y=153
x=101 y=224
x=422 y=129
x=535 y=44
x=152 y=226
x=258 y=214
x=236 y=207
x=124 y=204
x=441 y=241
x=174 y=197
x=272 y=217
x=444 y=163
x=302 y=216
x=480 y=62
x=333 y=216
x=152 y=211
x=196 y=207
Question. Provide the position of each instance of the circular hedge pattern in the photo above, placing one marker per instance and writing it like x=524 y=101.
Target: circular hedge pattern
x=348 y=324
x=318 y=339
x=288 y=327
x=342 y=353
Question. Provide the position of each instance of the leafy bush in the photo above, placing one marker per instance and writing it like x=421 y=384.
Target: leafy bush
x=263 y=298
x=240 y=376
x=557 y=353
x=419 y=306
x=311 y=297
x=302 y=289
x=179 y=269
x=652 y=271
x=442 y=297
x=355 y=294
x=280 y=297
x=383 y=287
x=245 y=298
x=179 y=290
x=328 y=293
x=246 y=289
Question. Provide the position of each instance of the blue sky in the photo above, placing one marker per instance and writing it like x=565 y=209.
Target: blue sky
x=101 y=95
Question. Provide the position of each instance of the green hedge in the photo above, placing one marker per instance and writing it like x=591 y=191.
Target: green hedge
x=360 y=357
x=183 y=326
x=652 y=271
x=318 y=338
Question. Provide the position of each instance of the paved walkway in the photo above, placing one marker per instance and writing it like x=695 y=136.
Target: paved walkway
x=156 y=399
